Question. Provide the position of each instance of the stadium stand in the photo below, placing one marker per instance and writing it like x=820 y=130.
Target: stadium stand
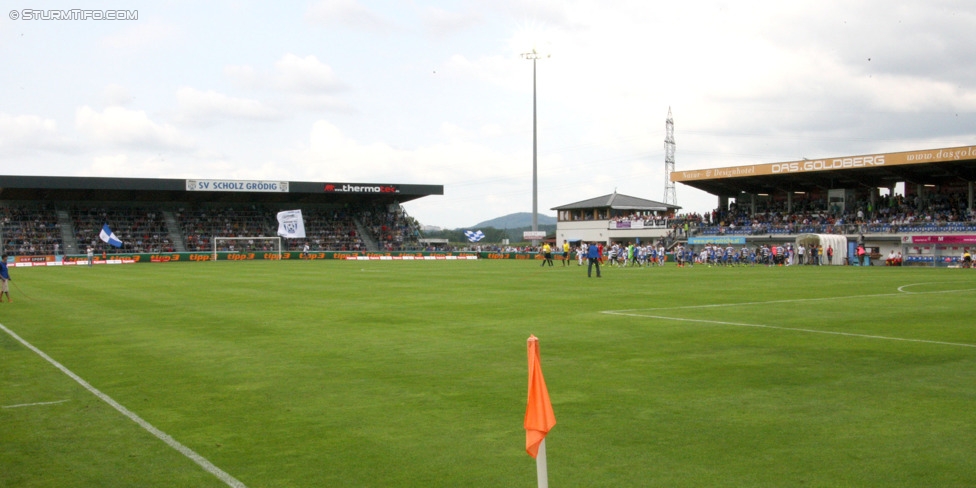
x=35 y=229
x=939 y=213
x=46 y=215
x=332 y=229
x=30 y=229
x=140 y=228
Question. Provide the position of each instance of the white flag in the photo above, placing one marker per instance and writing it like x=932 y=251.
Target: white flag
x=291 y=225
x=107 y=236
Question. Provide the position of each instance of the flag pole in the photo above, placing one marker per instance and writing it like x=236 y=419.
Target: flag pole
x=539 y=418
x=541 y=471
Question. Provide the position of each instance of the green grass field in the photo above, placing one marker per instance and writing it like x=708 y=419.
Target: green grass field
x=413 y=374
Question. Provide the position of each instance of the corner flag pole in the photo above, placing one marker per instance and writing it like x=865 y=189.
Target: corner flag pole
x=539 y=417
x=541 y=470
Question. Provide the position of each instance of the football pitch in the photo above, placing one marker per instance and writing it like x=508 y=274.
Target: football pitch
x=413 y=374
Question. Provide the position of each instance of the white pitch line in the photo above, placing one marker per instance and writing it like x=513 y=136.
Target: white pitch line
x=186 y=451
x=795 y=300
x=901 y=291
x=34 y=404
x=812 y=331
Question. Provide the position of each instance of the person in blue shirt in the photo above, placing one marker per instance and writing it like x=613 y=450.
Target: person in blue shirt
x=593 y=255
x=4 y=278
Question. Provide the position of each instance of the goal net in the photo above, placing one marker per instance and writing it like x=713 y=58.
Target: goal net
x=247 y=244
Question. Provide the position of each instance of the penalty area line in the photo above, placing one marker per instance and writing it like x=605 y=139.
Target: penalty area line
x=186 y=451
x=793 y=329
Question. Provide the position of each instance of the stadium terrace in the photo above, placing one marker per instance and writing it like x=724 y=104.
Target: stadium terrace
x=55 y=216
x=917 y=203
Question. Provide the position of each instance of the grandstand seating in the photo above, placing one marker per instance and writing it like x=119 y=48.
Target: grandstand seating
x=394 y=231
x=32 y=229
x=141 y=229
x=939 y=213
x=199 y=225
x=332 y=229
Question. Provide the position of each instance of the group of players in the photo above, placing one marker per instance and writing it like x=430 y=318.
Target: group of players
x=636 y=255
x=775 y=255
x=622 y=255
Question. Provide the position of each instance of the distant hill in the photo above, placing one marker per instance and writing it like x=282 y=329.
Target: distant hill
x=510 y=227
x=515 y=221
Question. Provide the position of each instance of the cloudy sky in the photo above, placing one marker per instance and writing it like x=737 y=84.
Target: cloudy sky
x=437 y=92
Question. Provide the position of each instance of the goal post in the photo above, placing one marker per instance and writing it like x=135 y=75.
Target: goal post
x=248 y=244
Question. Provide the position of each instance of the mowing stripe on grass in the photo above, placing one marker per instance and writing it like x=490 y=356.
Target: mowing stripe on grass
x=34 y=404
x=186 y=451
x=794 y=329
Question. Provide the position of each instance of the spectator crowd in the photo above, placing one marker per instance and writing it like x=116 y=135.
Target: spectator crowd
x=937 y=212
x=40 y=229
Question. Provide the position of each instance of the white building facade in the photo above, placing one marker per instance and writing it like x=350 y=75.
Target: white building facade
x=614 y=218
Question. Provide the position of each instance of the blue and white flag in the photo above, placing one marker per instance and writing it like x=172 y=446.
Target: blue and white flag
x=474 y=235
x=291 y=225
x=109 y=237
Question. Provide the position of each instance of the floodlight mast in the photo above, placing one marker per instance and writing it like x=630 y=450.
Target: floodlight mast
x=534 y=55
x=670 y=197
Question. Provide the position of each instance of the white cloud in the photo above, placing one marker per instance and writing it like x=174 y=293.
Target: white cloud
x=329 y=152
x=25 y=127
x=325 y=103
x=444 y=23
x=141 y=35
x=346 y=13
x=114 y=94
x=132 y=128
x=304 y=82
x=333 y=155
x=128 y=166
x=115 y=165
x=26 y=134
x=305 y=75
x=197 y=105
x=245 y=76
x=509 y=72
x=291 y=74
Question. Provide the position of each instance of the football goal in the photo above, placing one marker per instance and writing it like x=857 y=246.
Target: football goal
x=247 y=244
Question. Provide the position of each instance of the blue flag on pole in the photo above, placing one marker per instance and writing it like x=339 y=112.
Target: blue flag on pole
x=109 y=237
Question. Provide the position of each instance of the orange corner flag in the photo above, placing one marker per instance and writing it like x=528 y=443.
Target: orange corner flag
x=538 y=412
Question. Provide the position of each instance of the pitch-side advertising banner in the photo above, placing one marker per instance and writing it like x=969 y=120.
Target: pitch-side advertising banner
x=947 y=239
x=829 y=164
